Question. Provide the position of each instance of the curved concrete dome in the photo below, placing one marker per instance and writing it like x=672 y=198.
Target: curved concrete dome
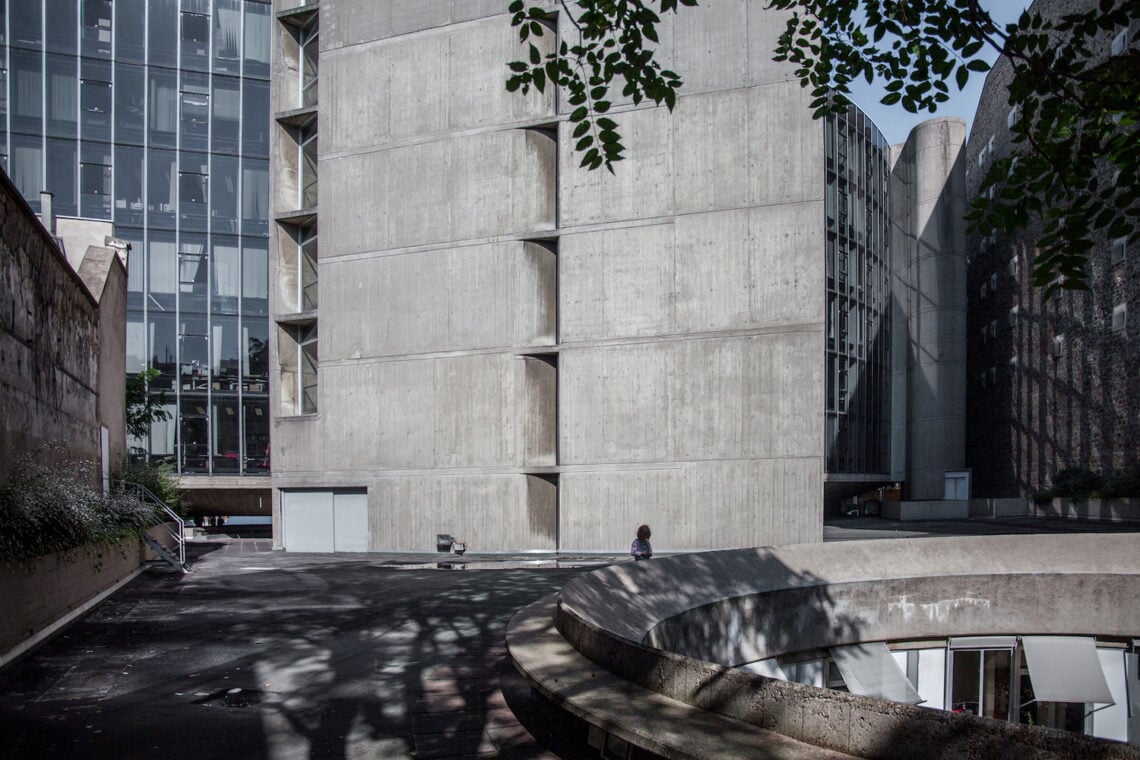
x=675 y=627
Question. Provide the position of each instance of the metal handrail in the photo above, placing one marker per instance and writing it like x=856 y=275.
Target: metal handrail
x=179 y=536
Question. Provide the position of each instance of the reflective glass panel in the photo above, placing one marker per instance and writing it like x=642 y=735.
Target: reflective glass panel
x=95 y=102
x=195 y=41
x=256 y=46
x=255 y=276
x=62 y=97
x=255 y=111
x=130 y=103
x=61 y=31
x=128 y=185
x=226 y=108
x=193 y=275
x=27 y=25
x=225 y=263
x=162 y=32
x=62 y=162
x=97 y=28
x=224 y=193
x=162 y=338
x=226 y=426
x=256 y=418
x=254 y=197
x=162 y=272
x=25 y=77
x=227 y=36
x=194 y=430
x=162 y=113
x=130 y=30
x=225 y=346
x=162 y=179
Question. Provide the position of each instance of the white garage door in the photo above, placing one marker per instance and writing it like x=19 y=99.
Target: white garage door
x=324 y=521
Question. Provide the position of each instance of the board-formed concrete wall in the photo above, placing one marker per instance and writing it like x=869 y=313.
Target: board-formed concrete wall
x=669 y=318
x=929 y=285
x=527 y=355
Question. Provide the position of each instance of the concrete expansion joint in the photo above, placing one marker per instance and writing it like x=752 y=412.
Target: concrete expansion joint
x=445 y=135
x=442 y=246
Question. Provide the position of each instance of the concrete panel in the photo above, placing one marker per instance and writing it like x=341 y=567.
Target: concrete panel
x=764 y=30
x=488 y=184
x=701 y=505
x=730 y=270
x=489 y=512
x=741 y=269
x=640 y=188
x=711 y=47
x=477 y=57
x=425 y=302
x=456 y=411
x=408 y=96
x=450 y=78
x=712 y=139
x=785 y=146
x=348 y=22
x=758 y=396
x=616 y=283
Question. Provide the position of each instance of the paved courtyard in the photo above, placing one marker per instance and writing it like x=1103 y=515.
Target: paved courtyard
x=262 y=654
x=334 y=657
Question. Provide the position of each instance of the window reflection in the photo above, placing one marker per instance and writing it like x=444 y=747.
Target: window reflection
x=95 y=181
x=195 y=41
x=195 y=434
x=225 y=369
x=226 y=271
x=256 y=419
x=193 y=275
x=162 y=119
x=62 y=159
x=162 y=174
x=128 y=185
x=62 y=97
x=130 y=30
x=97 y=27
x=227 y=36
x=163 y=339
x=162 y=32
x=255 y=366
x=162 y=272
x=224 y=193
x=61 y=32
x=226 y=109
x=130 y=103
x=226 y=426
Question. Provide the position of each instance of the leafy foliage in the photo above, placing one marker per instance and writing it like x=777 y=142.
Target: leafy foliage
x=55 y=508
x=143 y=408
x=1075 y=166
x=157 y=477
x=614 y=39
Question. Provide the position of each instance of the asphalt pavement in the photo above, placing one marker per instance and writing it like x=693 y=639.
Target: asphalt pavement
x=262 y=654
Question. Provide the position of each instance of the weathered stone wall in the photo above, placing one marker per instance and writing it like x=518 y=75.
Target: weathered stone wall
x=1032 y=410
x=49 y=345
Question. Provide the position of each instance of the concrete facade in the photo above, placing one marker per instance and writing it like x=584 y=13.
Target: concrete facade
x=503 y=347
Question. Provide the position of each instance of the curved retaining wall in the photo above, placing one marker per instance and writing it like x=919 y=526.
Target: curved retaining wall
x=722 y=608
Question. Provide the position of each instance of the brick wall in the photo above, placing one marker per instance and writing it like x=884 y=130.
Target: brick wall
x=1034 y=408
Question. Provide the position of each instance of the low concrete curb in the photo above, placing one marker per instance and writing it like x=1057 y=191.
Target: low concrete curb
x=644 y=718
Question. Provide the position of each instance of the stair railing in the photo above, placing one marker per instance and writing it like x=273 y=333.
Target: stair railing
x=178 y=534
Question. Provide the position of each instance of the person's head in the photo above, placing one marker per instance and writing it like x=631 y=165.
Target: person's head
x=643 y=532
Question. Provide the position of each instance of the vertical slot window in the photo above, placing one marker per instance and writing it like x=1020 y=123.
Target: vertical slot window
x=130 y=31
x=194 y=104
x=61 y=175
x=128 y=185
x=162 y=111
x=256 y=40
x=309 y=43
x=130 y=104
x=95 y=101
x=307 y=160
x=226 y=114
x=62 y=96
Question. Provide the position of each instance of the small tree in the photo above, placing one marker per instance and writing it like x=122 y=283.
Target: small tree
x=144 y=408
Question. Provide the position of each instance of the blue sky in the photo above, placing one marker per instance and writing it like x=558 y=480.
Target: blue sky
x=895 y=123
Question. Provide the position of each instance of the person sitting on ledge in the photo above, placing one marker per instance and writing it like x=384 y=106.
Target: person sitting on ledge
x=641 y=548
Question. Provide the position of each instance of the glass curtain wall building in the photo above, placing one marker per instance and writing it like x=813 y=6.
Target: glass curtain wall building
x=155 y=114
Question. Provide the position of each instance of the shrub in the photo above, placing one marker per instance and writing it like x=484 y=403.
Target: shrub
x=1044 y=496
x=158 y=477
x=55 y=508
x=1122 y=484
x=1076 y=482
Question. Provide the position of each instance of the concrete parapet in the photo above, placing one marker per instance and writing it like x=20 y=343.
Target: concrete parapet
x=677 y=626
x=926 y=510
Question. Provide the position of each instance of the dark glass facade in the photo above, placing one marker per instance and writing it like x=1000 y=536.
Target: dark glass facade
x=155 y=114
x=857 y=409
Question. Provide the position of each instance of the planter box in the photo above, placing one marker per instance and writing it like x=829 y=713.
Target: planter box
x=1091 y=509
x=35 y=596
